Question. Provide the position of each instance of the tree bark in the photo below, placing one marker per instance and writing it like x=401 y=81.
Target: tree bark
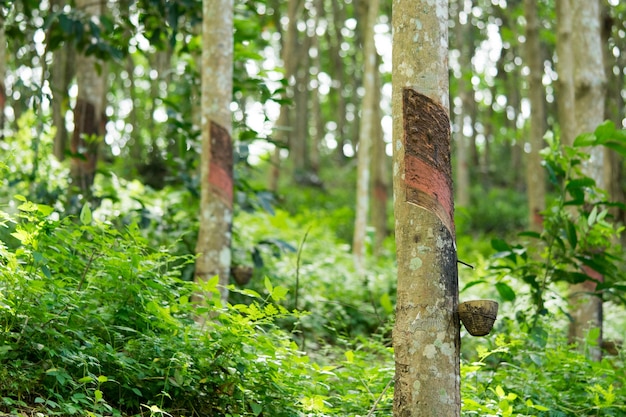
x=535 y=176
x=284 y=126
x=380 y=180
x=465 y=91
x=3 y=70
x=89 y=113
x=426 y=333
x=367 y=136
x=589 y=91
x=565 y=84
x=216 y=195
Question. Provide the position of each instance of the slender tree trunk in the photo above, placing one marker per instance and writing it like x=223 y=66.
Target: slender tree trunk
x=614 y=111
x=368 y=130
x=89 y=113
x=317 y=123
x=298 y=140
x=535 y=176
x=284 y=126
x=380 y=179
x=565 y=84
x=589 y=91
x=3 y=71
x=62 y=74
x=426 y=333
x=338 y=19
x=216 y=194
x=465 y=92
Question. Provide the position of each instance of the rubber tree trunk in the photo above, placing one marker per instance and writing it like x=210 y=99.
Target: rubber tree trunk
x=216 y=196
x=589 y=92
x=465 y=45
x=3 y=70
x=565 y=67
x=89 y=114
x=426 y=333
x=381 y=182
x=366 y=138
x=535 y=174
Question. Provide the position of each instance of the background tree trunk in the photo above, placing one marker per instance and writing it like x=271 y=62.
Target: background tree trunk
x=216 y=196
x=565 y=84
x=3 y=70
x=380 y=179
x=589 y=90
x=284 y=128
x=367 y=136
x=535 y=176
x=465 y=92
x=426 y=333
x=89 y=112
x=62 y=73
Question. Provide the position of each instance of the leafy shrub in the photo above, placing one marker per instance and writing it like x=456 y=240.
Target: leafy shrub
x=579 y=233
x=542 y=375
x=94 y=322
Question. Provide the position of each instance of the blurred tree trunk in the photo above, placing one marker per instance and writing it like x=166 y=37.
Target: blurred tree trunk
x=463 y=34
x=565 y=84
x=136 y=144
x=614 y=110
x=317 y=123
x=298 y=139
x=89 y=113
x=589 y=91
x=3 y=73
x=216 y=171
x=426 y=333
x=62 y=73
x=535 y=176
x=380 y=177
x=335 y=40
x=283 y=128
x=367 y=131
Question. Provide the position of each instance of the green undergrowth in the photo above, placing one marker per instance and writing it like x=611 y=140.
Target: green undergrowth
x=96 y=322
x=520 y=373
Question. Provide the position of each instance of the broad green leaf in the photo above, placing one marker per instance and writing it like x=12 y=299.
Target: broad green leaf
x=570 y=230
x=580 y=183
x=268 y=285
x=44 y=209
x=349 y=356
x=505 y=291
x=386 y=304
x=472 y=283
x=256 y=408
x=500 y=245
x=585 y=139
x=592 y=216
x=279 y=293
x=605 y=131
x=85 y=214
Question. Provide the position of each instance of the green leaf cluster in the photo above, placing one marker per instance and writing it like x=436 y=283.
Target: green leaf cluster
x=580 y=240
x=512 y=375
x=93 y=321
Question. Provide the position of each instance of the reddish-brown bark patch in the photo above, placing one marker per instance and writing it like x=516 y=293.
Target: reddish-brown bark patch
x=221 y=165
x=427 y=167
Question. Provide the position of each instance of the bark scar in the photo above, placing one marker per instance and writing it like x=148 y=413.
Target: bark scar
x=428 y=170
